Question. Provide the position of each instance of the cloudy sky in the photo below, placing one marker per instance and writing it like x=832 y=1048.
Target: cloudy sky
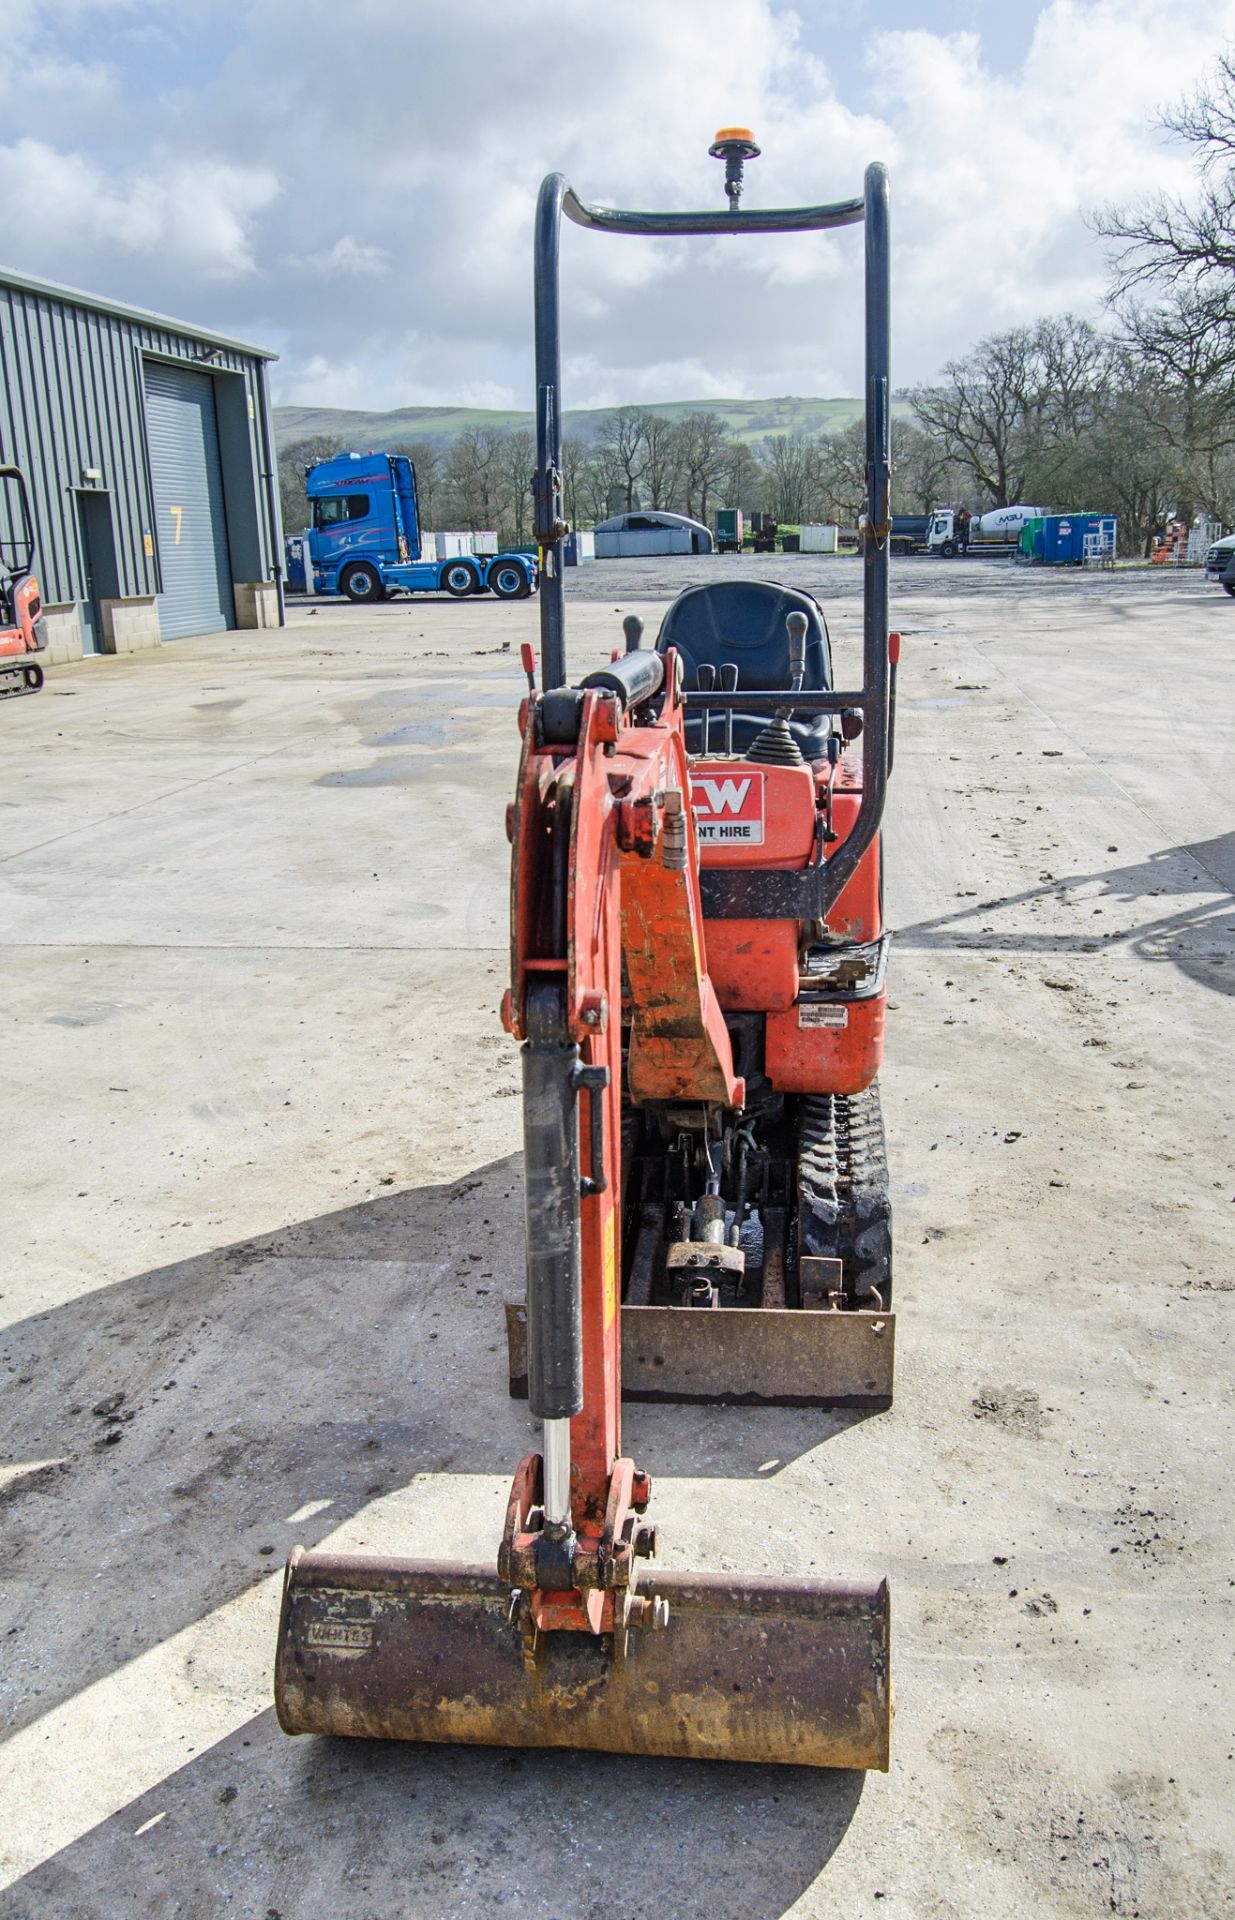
x=352 y=181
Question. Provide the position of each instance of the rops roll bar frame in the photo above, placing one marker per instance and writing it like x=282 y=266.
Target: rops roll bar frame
x=558 y=197
x=22 y=548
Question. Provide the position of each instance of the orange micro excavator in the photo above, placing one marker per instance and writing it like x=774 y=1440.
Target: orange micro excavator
x=698 y=983
x=21 y=631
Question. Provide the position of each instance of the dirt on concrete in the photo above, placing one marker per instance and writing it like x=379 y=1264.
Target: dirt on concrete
x=264 y=1204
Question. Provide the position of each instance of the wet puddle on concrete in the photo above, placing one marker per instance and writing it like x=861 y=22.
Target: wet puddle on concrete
x=425 y=733
x=400 y=770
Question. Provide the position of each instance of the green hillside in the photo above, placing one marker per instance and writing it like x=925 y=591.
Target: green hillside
x=746 y=419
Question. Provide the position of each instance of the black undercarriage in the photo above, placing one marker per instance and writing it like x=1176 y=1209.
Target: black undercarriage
x=18 y=676
x=785 y=1206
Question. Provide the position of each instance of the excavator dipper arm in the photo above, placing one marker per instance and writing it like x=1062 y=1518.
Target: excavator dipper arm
x=604 y=859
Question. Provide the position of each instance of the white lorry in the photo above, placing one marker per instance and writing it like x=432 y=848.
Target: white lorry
x=995 y=533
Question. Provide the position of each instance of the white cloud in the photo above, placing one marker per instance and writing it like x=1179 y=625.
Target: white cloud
x=399 y=171
x=194 y=216
x=350 y=257
x=994 y=176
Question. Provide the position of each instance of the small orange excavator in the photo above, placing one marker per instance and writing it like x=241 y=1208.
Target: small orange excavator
x=698 y=983
x=21 y=631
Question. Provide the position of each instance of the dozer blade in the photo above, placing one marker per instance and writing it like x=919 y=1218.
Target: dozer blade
x=789 y=1671
x=743 y=1356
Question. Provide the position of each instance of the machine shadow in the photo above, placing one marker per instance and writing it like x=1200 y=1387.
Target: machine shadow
x=1184 y=938
x=262 y=1825
x=172 y=1436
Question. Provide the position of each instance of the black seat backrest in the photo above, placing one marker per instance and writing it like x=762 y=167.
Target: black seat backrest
x=743 y=621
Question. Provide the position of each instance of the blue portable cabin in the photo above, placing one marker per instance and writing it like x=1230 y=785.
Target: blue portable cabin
x=1063 y=536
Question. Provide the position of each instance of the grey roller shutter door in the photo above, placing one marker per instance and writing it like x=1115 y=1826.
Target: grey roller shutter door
x=187 y=477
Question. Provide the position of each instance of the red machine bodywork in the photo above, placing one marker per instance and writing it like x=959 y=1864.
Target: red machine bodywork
x=628 y=901
x=754 y=963
x=21 y=604
x=23 y=636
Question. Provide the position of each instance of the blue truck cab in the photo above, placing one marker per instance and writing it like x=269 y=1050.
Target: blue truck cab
x=364 y=538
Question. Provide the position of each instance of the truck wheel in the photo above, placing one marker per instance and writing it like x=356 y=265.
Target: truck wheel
x=1230 y=590
x=948 y=549
x=460 y=579
x=362 y=583
x=508 y=581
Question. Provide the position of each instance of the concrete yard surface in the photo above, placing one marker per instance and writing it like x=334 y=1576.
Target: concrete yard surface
x=264 y=1205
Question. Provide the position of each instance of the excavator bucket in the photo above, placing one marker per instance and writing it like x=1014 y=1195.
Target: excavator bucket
x=756 y=1669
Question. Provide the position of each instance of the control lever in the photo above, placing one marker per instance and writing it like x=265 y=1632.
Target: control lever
x=834 y=754
x=729 y=682
x=706 y=678
x=632 y=627
x=796 y=624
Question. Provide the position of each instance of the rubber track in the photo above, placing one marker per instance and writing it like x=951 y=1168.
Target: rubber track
x=844 y=1211
x=13 y=682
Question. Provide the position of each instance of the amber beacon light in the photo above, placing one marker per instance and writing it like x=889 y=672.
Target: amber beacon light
x=735 y=146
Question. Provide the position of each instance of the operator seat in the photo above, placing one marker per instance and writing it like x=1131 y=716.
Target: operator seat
x=743 y=621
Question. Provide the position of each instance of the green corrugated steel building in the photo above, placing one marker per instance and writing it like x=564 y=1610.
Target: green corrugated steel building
x=149 y=450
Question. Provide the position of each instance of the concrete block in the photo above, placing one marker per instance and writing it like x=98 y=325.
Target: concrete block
x=62 y=626
x=257 y=603
x=131 y=626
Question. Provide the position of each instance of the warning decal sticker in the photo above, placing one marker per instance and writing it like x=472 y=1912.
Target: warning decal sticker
x=728 y=807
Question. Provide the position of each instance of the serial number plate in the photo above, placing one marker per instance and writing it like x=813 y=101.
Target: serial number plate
x=813 y=1013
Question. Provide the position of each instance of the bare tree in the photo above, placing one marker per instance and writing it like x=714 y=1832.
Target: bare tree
x=791 y=474
x=662 y=457
x=516 y=460
x=621 y=434
x=985 y=412
x=474 y=473
x=740 y=480
x=923 y=470
x=704 y=440
x=600 y=482
x=1072 y=362
x=429 y=461
x=1165 y=241
x=1173 y=285
x=1128 y=461
x=575 y=455
x=1187 y=343
x=841 y=493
